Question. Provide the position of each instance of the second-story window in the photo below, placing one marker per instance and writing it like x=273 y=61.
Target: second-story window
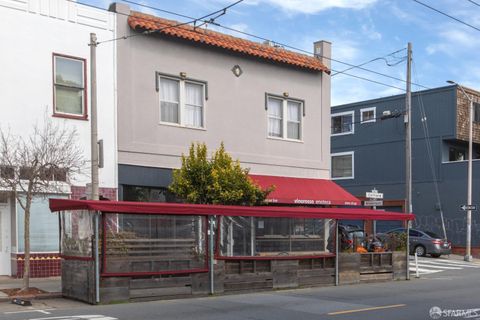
x=367 y=115
x=181 y=102
x=69 y=86
x=342 y=123
x=284 y=118
x=476 y=112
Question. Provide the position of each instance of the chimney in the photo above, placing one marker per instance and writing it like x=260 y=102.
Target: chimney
x=323 y=50
x=120 y=8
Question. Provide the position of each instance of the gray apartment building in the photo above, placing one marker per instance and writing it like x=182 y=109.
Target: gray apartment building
x=368 y=151
x=178 y=84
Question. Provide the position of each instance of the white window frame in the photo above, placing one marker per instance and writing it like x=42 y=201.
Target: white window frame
x=374 y=109
x=285 y=117
x=352 y=113
x=83 y=115
x=338 y=154
x=181 y=102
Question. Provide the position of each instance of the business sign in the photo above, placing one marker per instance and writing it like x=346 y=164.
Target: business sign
x=373 y=203
x=465 y=207
x=374 y=194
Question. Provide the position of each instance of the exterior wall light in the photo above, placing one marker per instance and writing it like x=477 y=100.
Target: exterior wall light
x=183 y=75
x=286 y=94
x=237 y=71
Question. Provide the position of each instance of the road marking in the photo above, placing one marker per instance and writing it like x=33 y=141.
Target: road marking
x=423 y=271
x=79 y=317
x=438 y=267
x=366 y=309
x=44 y=311
x=448 y=263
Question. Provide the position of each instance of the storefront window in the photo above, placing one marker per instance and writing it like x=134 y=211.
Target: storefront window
x=252 y=236
x=147 y=194
x=137 y=243
x=44 y=233
x=77 y=233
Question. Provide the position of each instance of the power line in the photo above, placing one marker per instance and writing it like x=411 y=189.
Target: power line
x=278 y=43
x=218 y=14
x=247 y=34
x=475 y=3
x=447 y=15
x=372 y=60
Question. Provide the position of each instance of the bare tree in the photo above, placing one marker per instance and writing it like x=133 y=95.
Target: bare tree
x=38 y=165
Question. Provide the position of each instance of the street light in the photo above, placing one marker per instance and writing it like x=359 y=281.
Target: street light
x=468 y=255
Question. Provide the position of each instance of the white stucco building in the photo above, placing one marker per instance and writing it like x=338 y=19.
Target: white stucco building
x=46 y=73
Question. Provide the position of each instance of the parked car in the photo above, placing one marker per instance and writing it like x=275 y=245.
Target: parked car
x=426 y=242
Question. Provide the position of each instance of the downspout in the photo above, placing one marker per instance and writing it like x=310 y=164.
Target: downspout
x=211 y=255
x=97 y=261
x=336 y=253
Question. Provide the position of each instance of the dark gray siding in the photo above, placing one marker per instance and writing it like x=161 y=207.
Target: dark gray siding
x=380 y=159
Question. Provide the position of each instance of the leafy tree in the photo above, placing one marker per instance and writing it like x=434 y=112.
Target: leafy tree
x=219 y=180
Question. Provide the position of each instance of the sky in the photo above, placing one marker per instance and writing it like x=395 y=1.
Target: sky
x=360 y=31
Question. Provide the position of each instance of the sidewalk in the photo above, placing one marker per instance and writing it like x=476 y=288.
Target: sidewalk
x=52 y=286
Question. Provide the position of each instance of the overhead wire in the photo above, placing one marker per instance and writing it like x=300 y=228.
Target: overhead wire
x=218 y=14
x=475 y=3
x=247 y=34
x=424 y=121
x=352 y=66
x=447 y=15
x=373 y=60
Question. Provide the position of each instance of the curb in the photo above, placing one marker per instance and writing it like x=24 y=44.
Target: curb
x=42 y=296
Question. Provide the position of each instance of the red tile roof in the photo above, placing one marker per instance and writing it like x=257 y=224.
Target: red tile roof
x=144 y=22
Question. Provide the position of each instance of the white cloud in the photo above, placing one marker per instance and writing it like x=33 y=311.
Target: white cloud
x=315 y=6
x=370 y=32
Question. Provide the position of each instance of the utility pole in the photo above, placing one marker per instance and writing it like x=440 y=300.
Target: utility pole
x=94 y=154
x=408 y=150
x=93 y=115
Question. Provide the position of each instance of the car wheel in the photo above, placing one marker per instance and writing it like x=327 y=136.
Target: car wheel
x=435 y=255
x=420 y=251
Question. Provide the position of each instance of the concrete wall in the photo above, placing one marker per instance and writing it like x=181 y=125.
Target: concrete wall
x=380 y=160
x=234 y=112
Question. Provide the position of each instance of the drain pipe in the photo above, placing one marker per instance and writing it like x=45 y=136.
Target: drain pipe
x=211 y=255
x=97 y=260
x=336 y=253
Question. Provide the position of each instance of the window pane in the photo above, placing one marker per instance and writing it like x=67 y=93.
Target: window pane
x=275 y=128
x=367 y=115
x=44 y=233
x=293 y=130
x=169 y=100
x=275 y=108
x=342 y=166
x=342 y=124
x=476 y=112
x=193 y=105
x=68 y=100
x=347 y=123
x=193 y=94
x=275 y=117
x=336 y=125
x=169 y=112
x=293 y=111
x=69 y=72
x=154 y=243
x=169 y=90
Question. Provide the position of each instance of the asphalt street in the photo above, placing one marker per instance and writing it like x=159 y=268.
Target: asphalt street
x=455 y=287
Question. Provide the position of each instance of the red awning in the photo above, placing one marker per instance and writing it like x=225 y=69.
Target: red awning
x=208 y=210
x=305 y=191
